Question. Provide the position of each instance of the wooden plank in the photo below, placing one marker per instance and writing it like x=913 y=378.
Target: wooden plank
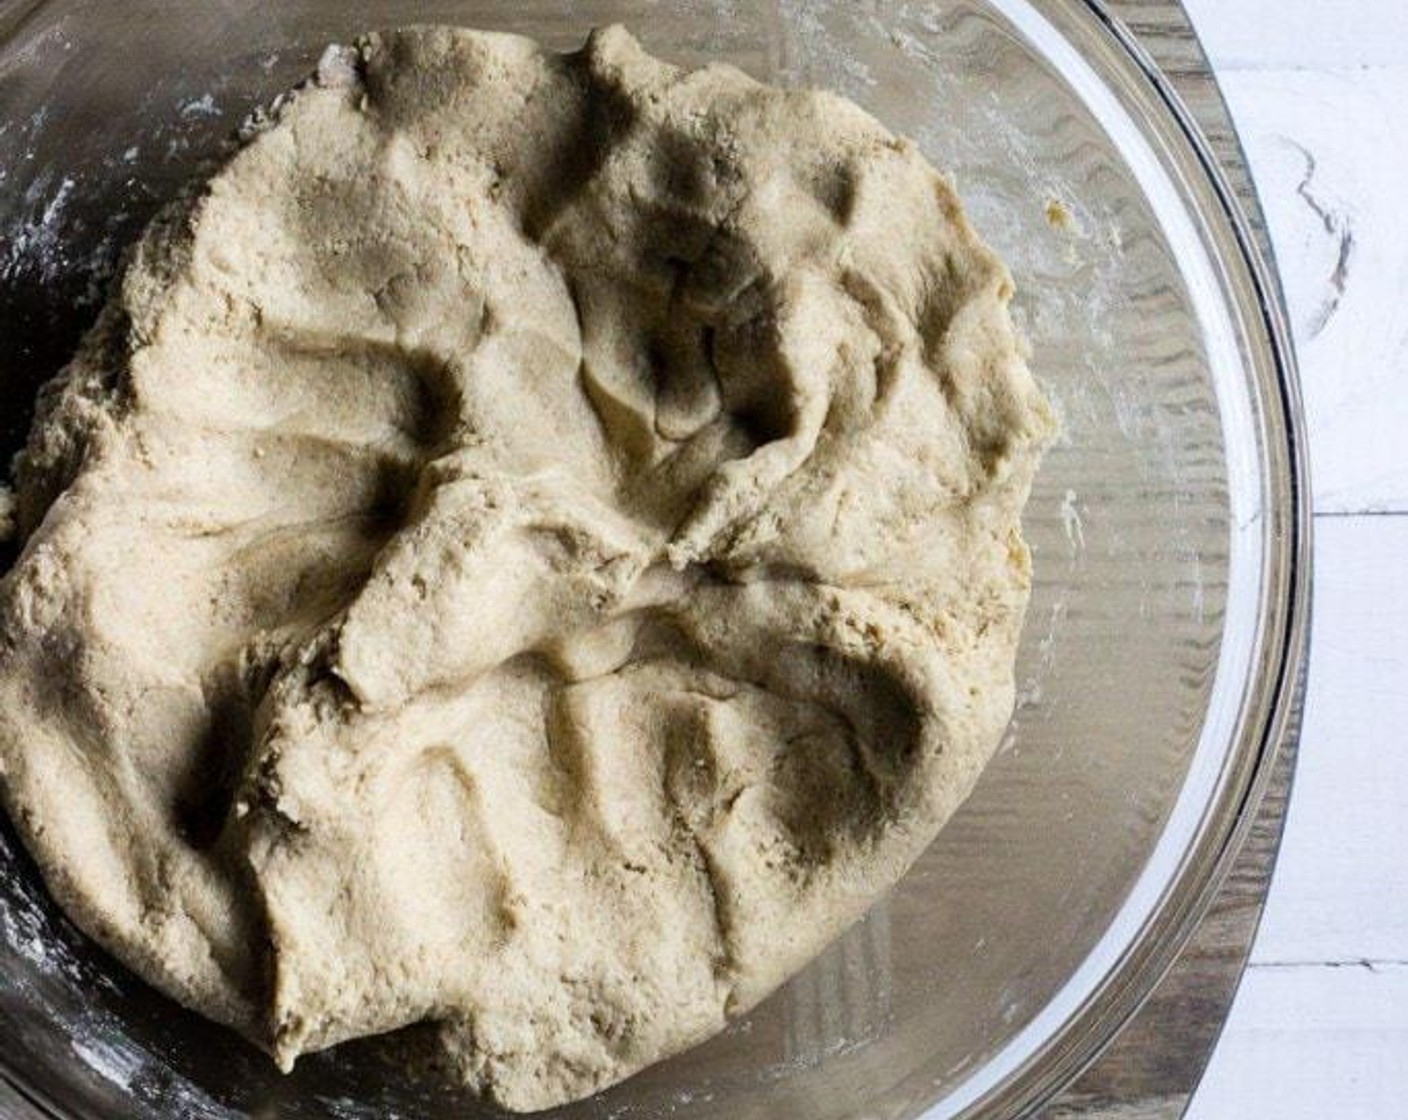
x=1311 y=34
x=1312 y=1043
x=1352 y=333
x=1333 y=172
x=1339 y=891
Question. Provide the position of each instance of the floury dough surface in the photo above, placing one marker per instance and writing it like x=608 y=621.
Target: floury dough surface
x=7 y=513
x=533 y=547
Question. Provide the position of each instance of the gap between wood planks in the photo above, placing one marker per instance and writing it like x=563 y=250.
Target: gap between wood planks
x=1364 y=963
x=1341 y=514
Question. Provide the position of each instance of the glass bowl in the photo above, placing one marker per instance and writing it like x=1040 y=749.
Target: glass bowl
x=1169 y=530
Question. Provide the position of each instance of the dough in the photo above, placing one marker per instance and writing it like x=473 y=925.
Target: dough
x=532 y=547
x=7 y=513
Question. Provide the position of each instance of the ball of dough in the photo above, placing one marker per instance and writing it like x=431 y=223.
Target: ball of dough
x=531 y=547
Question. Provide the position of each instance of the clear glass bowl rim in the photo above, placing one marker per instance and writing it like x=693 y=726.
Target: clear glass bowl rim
x=1270 y=714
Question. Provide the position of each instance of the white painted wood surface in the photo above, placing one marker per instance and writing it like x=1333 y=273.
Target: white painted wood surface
x=1330 y=156
x=1304 y=1045
x=1319 y=1030
x=1339 y=893
x=1300 y=34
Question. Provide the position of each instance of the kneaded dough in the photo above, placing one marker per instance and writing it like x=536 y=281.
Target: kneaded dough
x=532 y=547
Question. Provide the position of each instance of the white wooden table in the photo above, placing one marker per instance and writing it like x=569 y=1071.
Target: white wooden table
x=1319 y=1029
